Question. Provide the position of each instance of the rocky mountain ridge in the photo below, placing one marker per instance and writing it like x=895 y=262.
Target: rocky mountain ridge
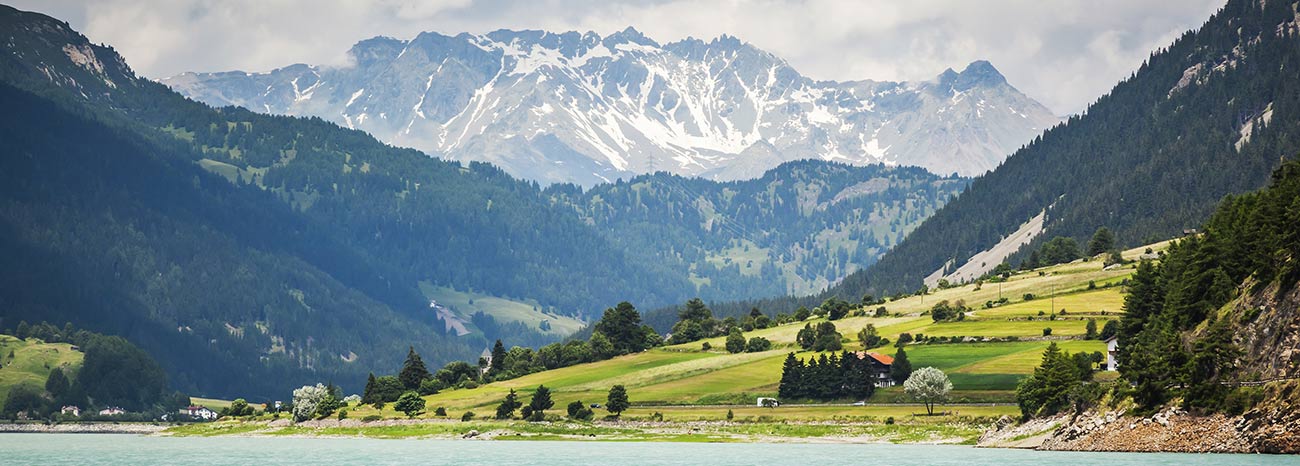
x=578 y=107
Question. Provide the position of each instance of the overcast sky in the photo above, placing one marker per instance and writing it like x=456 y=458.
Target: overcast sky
x=1062 y=53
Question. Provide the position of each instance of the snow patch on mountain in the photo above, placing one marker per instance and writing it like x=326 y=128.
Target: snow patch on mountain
x=537 y=102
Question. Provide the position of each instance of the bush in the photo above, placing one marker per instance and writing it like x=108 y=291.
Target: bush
x=758 y=344
x=1029 y=296
x=440 y=412
x=371 y=418
x=410 y=404
x=1047 y=331
x=735 y=342
x=889 y=420
x=343 y=414
x=706 y=346
x=468 y=416
x=429 y=386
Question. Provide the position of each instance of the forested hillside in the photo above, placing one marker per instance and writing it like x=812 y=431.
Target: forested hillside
x=796 y=230
x=266 y=245
x=115 y=233
x=1211 y=115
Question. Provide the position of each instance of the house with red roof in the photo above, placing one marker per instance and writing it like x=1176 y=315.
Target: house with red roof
x=880 y=365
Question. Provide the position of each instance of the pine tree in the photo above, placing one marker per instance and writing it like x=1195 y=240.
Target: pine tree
x=1103 y=240
x=791 y=385
x=413 y=371
x=506 y=409
x=498 y=359
x=902 y=368
x=540 y=403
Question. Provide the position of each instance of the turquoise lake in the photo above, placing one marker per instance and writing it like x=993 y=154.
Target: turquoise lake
x=103 y=449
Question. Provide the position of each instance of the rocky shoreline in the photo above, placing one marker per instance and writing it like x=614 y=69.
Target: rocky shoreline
x=1170 y=431
x=82 y=428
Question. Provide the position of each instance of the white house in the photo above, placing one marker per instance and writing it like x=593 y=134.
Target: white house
x=764 y=402
x=199 y=412
x=1112 y=346
x=112 y=411
x=73 y=410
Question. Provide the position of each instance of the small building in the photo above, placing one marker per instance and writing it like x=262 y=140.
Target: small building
x=112 y=411
x=765 y=402
x=199 y=412
x=1112 y=348
x=880 y=365
x=70 y=409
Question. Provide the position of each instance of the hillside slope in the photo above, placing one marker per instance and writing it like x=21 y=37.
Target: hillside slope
x=797 y=229
x=1211 y=115
x=985 y=355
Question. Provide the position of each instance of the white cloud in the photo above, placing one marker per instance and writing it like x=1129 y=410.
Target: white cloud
x=1064 y=54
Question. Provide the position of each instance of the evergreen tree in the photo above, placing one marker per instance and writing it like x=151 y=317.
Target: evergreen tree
x=1090 y=330
x=621 y=324
x=791 y=385
x=498 y=358
x=413 y=371
x=902 y=368
x=1103 y=240
x=506 y=409
x=540 y=403
x=56 y=384
x=368 y=396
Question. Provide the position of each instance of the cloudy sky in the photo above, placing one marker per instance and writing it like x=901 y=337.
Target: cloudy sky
x=1063 y=53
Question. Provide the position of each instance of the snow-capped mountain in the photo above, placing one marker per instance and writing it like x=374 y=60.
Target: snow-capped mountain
x=583 y=108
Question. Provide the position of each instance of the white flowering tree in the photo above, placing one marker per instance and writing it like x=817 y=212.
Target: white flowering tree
x=306 y=400
x=928 y=385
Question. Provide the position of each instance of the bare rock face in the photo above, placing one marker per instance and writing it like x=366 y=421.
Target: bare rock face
x=1274 y=425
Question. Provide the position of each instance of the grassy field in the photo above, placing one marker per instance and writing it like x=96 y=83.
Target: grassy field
x=681 y=381
x=466 y=303
x=687 y=383
x=684 y=393
x=32 y=361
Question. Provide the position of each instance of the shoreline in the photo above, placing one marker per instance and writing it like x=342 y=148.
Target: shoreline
x=142 y=428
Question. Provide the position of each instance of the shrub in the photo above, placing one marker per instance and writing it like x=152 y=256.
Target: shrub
x=1047 y=331
x=440 y=412
x=706 y=346
x=371 y=418
x=468 y=416
x=758 y=344
x=1029 y=296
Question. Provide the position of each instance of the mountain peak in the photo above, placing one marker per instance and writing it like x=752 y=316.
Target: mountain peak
x=629 y=35
x=978 y=73
x=376 y=49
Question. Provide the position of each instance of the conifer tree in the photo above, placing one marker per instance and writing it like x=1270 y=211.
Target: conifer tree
x=413 y=371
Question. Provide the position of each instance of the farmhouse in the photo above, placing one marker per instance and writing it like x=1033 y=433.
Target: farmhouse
x=1112 y=347
x=112 y=411
x=71 y=409
x=199 y=412
x=880 y=364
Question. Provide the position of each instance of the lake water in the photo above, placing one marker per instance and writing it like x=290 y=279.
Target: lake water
x=93 y=449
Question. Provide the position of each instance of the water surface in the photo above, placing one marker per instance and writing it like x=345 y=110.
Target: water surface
x=105 y=449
